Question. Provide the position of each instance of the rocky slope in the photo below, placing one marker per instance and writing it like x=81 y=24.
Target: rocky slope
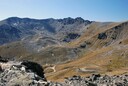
x=23 y=73
x=95 y=80
x=28 y=73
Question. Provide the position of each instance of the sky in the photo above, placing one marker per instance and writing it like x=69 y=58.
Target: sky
x=94 y=10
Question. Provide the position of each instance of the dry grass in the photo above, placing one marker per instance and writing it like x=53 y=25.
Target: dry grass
x=103 y=60
x=15 y=49
x=117 y=63
x=92 y=30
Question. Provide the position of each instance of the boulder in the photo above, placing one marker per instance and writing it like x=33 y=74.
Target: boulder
x=102 y=36
x=24 y=73
x=3 y=60
x=33 y=67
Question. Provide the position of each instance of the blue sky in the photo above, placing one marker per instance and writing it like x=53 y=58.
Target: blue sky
x=97 y=10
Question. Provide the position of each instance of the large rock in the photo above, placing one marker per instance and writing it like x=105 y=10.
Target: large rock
x=102 y=36
x=33 y=67
x=3 y=60
x=22 y=74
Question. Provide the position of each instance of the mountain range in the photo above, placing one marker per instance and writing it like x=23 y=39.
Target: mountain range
x=66 y=47
x=37 y=36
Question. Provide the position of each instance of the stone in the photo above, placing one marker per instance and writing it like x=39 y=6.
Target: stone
x=98 y=80
x=102 y=36
x=33 y=67
x=3 y=60
x=18 y=75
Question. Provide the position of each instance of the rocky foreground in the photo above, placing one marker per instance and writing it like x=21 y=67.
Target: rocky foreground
x=95 y=80
x=28 y=73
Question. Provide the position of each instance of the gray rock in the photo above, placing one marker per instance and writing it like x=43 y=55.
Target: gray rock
x=95 y=80
x=18 y=75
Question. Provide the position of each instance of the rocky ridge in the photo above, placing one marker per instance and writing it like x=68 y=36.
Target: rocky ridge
x=26 y=29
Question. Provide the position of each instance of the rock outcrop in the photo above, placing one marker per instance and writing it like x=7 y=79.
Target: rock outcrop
x=24 y=73
x=95 y=80
x=102 y=36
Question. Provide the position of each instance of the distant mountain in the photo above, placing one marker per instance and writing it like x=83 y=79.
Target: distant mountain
x=8 y=33
x=32 y=36
x=14 y=28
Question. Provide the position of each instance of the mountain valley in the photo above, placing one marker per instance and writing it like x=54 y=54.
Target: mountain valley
x=66 y=47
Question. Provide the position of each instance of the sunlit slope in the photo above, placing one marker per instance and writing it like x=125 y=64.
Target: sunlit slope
x=92 y=30
x=105 y=54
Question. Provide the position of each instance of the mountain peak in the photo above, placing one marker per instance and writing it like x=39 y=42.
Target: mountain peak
x=70 y=20
x=13 y=18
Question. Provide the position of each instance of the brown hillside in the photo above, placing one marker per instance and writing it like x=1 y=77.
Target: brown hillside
x=105 y=55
